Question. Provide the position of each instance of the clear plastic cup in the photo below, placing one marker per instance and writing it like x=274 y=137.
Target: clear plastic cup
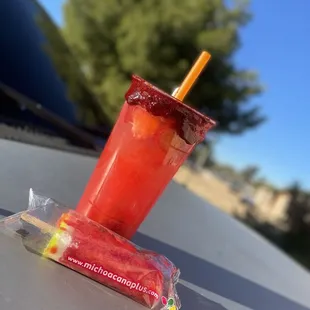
x=153 y=136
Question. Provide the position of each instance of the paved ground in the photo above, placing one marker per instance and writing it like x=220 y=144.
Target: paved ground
x=218 y=256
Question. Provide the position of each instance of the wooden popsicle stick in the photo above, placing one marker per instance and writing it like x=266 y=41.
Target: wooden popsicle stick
x=43 y=226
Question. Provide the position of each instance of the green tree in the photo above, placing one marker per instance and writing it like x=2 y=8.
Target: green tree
x=249 y=173
x=298 y=210
x=159 y=40
x=89 y=111
x=296 y=240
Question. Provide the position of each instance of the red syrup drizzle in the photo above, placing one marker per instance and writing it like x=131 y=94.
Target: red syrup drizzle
x=191 y=125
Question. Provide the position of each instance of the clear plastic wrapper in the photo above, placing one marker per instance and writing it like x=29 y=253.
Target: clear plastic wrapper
x=63 y=235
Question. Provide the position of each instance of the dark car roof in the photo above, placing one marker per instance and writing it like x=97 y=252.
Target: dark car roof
x=36 y=64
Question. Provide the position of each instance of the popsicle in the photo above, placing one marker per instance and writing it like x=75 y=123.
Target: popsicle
x=93 y=250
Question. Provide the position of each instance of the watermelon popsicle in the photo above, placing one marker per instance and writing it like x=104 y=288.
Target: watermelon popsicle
x=153 y=136
x=89 y=248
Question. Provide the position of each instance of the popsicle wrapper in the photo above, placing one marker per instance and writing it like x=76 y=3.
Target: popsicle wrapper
x=56 y=232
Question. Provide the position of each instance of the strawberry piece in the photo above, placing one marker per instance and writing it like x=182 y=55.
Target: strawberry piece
x=144 y=123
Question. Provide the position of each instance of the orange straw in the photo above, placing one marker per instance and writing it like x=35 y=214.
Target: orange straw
x=192 y=75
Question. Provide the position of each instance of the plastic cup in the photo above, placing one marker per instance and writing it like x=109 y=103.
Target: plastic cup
x=153 y=136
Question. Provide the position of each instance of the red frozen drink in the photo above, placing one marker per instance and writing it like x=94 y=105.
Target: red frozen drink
x=152 y=137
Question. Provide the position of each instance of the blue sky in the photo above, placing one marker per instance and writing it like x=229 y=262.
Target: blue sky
x=276 y=44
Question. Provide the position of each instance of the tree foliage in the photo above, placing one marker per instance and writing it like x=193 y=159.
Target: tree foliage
x=298 y=211
x=159 y=40
x=89 y=111
x=249 y=173
x=295 y=238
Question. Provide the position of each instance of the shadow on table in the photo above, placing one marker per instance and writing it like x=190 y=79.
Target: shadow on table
x=4 y=212
x=219 y=280
x=192 y=300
